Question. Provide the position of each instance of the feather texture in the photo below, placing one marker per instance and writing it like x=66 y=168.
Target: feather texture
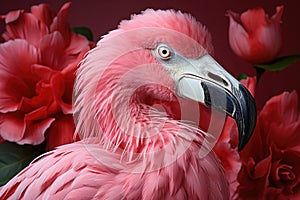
x=85 y=176
x=130 y=149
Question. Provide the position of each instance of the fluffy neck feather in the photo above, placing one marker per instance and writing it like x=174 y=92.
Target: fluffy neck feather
x=124 y=118
x=104 y=105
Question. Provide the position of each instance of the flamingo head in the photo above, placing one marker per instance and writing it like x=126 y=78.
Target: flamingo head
x=131 y=88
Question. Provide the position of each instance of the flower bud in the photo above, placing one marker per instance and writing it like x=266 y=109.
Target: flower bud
x=254 y=36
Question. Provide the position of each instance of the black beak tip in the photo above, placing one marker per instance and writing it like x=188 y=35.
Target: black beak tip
x=242 y=144
x=239 y=104
x=246 y=124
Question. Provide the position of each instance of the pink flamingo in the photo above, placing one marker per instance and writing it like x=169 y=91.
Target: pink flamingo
x=134 y=103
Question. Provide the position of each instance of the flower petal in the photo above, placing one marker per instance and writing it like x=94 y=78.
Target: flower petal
x=78 y=43
x=12 y=16
x=61 y=132
x=26 y=26
x=254 y=36
x=262 y=168
x=52 y=50
x=277 y=16
x=12 y=126
x=70 y=69
x=284 y=112
x=21 y=49
x=253 y=19
x=59 y=89
x=42 y=105
x=35 y=130
x=42 y=72
x=238 y=36
x=44 y=13
x=60 y=23
x=16 y=57
x=253 y=178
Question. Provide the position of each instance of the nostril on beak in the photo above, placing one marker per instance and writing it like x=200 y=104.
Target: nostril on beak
x=217 y=78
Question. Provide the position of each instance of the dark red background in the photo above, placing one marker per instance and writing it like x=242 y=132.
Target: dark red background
x=103 y=16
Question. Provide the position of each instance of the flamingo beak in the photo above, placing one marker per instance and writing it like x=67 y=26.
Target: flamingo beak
x=205 y=81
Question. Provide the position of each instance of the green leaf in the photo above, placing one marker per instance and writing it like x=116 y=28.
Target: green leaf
x=14 y=158
x=280 y=63
x=84 y=31
x=242 y=76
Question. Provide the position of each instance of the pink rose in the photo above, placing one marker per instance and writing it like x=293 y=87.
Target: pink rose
x=37 y=70
x=268 y=167
x=270 y=161
x=254 y=36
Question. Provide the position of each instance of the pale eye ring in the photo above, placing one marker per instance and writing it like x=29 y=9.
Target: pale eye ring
x=164 y=52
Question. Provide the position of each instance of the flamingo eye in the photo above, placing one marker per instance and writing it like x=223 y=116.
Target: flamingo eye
x=164 y=52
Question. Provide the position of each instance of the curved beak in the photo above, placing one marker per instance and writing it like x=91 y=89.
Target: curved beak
x=205 y=81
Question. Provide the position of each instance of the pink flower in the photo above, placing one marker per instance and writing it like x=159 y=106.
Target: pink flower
x=268 y=167
x=270 y=161
x=254 y=36
x=37 y=72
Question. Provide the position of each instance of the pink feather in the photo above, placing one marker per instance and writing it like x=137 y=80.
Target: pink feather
x=129 y=149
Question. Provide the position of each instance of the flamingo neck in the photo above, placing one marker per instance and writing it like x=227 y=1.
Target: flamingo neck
x=143 y=121
x=133 y=110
